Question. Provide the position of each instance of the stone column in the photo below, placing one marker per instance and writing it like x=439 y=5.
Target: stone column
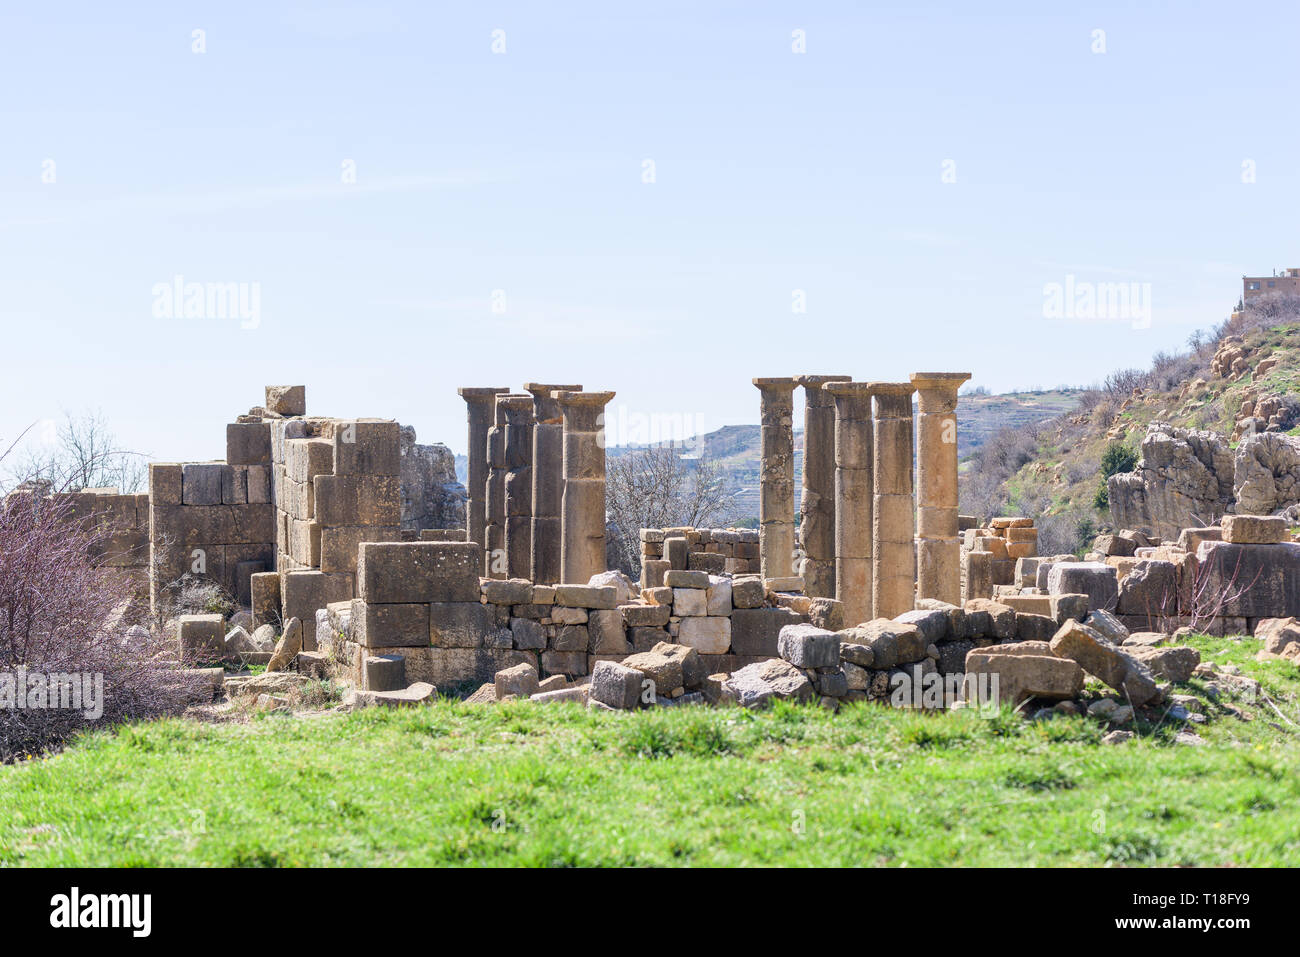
x=817 y=501
x=776 y=477
x=495 y=563
x=853 y=499
x=938 y=541
x=582 y=526
x=479 y=404
x=893 y=546
x=548 y=481
x=519 y=484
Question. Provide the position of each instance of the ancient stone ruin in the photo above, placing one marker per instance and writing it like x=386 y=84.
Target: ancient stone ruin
x=355 y=548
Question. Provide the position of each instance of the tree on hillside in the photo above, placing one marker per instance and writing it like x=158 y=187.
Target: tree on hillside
x=657 y=488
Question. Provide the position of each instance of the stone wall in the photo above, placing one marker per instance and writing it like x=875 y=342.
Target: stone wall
x=426 y=602
x=718 y=551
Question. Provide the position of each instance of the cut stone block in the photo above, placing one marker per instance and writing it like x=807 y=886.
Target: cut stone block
x=418 y=572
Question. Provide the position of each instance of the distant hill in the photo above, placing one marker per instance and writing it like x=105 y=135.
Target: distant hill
x=735 y=448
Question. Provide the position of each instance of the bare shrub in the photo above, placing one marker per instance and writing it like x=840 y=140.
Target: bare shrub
x=657 y=488
x=62 y=616
x=85 y=455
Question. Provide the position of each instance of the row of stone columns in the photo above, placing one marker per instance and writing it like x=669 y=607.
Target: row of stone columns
x=537 y=481
x=867 y=538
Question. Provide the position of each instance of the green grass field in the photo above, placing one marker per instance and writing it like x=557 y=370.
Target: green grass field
x=521 y=784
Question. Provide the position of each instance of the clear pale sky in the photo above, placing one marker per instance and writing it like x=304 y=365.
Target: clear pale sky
x=522 y=172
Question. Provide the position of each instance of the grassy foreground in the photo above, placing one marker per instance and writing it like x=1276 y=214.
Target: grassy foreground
x=557 y=785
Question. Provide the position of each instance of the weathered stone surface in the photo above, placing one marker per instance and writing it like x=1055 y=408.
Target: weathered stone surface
x=891 y=642
x=690 y=601
x=686 y=579
x=719 y=595
x=1095 y=579
x=615 y=685
x=1173 y=662
x=826 y=613
x=952 y=655
x=526 y=633
x=1185 y=477
x=459 y=624
x=1103 y=659
x=1265 y=474
x=384 y=673
x=664 y=670
x=519 y=680
x=1281 y=636
x=748 y=592
x=1150 y=589
x=201 y=637
x=607 y=633
x=507 y=591
x=1069 y=606
x=431 y=497
x=1257 y=581
x=289 y=646
x=396 y=572
x=1035 y=627
x=709 y=636
x=694 y=668
x=387 y=626
x=587 y=596
x=1022 y=676
x=934 y=626
x=756 y=631
x=421 y=692
x=1001 y=618
x=1254 y=529
x=286 y=400
x=757 y=684
x=807 y=646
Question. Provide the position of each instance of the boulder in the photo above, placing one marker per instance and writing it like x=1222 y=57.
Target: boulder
x=1184 y=477
x=1266 y=474
x=238 y=642
x=624 y=588
x=1281 y=636
x=664 y=670
x=1001 y=619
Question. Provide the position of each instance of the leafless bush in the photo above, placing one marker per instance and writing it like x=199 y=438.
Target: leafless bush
x=657 y=488
x=1121 y=383
x=1065 y=532
x=61 y=616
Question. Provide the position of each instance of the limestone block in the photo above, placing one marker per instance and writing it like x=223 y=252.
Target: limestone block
x=758 y=684
x=686 y=579
x=389 y=626
x=616 y=686
x=165 y=483
x=1022 y=676
x=1258 y=581
x=1254 y=529
x=201 y=637
x=587 y=596
x=384 y=673
x=645 y=616
x=248 y=443
x=304 y=459
x=527 y=634
x=418 y=572
x=367 y=446
x=201 y=483
x=1103 y=659
x=607 y=634
x=748 y=592
x=807 y=646
x=459 y=624
x=519 y=680
x=690 y=601
x=507 y=591
x=719 y=596
x=286 y=399
x=264 y=590
x=706 y=635
x=358 y=500
x=1095 y=579
x=757 y=631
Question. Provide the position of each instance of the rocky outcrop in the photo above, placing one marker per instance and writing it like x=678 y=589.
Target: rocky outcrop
x=1184 y=478
x=1267 y=473
x=431 y=496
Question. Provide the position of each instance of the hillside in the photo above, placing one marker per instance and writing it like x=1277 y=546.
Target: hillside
x=1232 y=385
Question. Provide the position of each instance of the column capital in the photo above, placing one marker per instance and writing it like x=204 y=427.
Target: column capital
x=939 y=381
x=775 y=383
x=571 y=398
x=547 y=409
x=482 y=394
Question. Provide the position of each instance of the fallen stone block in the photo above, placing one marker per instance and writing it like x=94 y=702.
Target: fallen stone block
x=419 y=693
x=1281 y=636
x=616 y=686
x=758 y=684
x=1105 y=660
x=520 y=680
x=710 y=636
x=807 y=646
x=384 y=673
x=1175 y=663
x=1015 y=678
